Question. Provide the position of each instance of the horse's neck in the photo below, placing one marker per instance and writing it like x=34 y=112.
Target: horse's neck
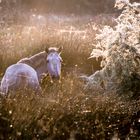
x=39 y=63
x=40 y=71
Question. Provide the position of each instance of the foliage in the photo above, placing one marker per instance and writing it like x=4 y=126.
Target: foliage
x=119 y=48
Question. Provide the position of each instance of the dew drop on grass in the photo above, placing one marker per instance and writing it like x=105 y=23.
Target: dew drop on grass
x=10 y=111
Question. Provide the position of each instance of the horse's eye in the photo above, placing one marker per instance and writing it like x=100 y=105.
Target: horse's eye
x=47 y=61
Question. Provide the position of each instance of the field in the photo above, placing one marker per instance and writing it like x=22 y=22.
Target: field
x=66 y=110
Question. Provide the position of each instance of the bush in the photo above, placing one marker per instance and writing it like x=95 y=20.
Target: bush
x=118 y=47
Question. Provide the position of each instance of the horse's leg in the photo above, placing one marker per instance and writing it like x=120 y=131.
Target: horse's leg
x=60 y=78
x=51 y=78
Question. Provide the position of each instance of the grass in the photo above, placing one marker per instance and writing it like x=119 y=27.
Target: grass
x=66 y=110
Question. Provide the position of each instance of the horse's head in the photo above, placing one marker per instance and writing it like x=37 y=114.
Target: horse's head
x=54 y=62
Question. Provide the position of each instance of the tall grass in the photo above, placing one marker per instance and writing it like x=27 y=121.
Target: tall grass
x=65 y=110
x=18 y=41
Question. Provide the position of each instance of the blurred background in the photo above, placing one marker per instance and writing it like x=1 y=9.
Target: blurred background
x=61 y=6
x=31 y=23
x=20 y=10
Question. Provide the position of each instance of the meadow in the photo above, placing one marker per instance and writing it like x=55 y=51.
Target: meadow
x=66 y=110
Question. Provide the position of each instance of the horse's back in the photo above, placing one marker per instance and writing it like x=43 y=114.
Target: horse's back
x=19 y=76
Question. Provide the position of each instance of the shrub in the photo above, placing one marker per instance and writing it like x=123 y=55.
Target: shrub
x=118 y=47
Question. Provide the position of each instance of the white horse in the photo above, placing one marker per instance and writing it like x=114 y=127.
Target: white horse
x=28 y=71
x=18 y=77
x=48 y=61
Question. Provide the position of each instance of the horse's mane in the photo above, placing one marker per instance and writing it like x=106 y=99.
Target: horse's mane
x=35 y=61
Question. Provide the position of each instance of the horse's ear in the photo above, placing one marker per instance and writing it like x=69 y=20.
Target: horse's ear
x=47 y=50
x=60 y=49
